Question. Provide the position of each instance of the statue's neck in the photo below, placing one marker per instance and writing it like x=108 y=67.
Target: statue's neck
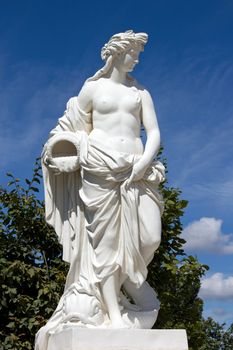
x=117 y=75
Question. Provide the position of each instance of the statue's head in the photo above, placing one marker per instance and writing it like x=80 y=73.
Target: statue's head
x=122 y=49
x=122 y=43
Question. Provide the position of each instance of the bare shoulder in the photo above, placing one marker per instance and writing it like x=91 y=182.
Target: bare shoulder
x=145 y=95
x=87 y=89
x=85 y=95
x=143 y=91
x=148 y=109
x=146 y=98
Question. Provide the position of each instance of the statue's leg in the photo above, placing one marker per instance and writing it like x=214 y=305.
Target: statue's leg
x=149 y=226
x=110 y=293
x=150 y=237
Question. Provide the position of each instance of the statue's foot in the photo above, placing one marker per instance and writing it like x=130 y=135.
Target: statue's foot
x=117 y=322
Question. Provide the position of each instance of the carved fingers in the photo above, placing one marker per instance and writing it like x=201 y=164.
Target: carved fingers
x=49 y=163
x=137 y=173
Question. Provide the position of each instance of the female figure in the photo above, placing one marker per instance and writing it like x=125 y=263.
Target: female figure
x=107 y=214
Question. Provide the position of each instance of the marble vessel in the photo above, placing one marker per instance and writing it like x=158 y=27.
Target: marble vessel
x=102 y=197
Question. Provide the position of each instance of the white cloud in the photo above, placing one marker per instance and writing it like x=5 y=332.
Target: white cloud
x=206 y=234
x=217 y=287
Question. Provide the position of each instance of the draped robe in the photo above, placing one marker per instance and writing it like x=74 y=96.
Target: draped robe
x=95 y=216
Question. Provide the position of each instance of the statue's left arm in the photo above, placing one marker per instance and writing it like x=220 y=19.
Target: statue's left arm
x=149 y=121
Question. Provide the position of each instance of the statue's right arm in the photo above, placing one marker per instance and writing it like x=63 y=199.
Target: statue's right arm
x=85 y=96
x=84 y=100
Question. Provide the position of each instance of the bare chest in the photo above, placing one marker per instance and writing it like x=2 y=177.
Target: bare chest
x=111 y=99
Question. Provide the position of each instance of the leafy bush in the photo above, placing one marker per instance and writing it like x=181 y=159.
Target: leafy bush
x=32 y=274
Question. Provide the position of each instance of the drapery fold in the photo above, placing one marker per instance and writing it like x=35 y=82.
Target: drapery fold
x=97 y=221
x=92 y=211
x=63 y=208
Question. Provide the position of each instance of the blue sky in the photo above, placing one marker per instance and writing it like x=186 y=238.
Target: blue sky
x=48 y=49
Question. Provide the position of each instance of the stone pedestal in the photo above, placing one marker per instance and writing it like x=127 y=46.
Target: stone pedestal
x=74 y=338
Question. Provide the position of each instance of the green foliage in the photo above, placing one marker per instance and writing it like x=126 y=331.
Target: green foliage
x=216 y=337
x=32 y=274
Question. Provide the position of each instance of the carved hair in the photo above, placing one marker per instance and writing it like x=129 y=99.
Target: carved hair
x=118 y=44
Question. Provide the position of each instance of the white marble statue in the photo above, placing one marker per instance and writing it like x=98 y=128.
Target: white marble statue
x=102 y=198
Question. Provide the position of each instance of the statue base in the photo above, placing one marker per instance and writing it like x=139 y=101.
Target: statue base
x=75 y=338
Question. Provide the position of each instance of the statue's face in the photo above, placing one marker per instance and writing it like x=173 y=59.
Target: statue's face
x=128 y=60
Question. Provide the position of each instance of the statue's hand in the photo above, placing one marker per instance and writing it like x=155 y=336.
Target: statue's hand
x=137 y=173
x=51 y=165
